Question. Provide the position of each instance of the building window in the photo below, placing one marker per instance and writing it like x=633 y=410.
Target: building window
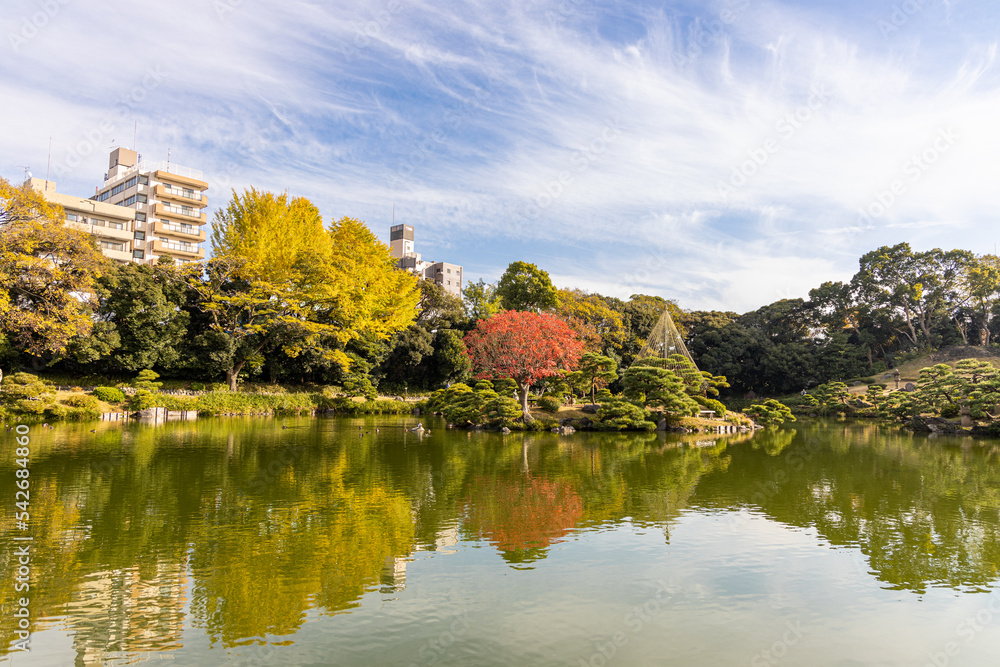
x=142 y=199
x=140 y=236
x=73 y=217
x=140 y=217
x=137 y=254
x=144 y=180
x=108 y=245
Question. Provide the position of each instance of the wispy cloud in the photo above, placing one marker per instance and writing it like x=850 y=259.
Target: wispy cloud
x=487 y=125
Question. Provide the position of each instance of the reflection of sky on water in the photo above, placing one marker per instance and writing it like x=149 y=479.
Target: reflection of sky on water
x=519 y=550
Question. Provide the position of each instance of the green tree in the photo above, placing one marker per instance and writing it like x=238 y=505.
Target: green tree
x=770 y=413
x=524 y=286
x=596 y=371
x=914 y=285
x=143 y=310
x=600 y=326
x=658 y=388
x=481 y=300
x=830 y=397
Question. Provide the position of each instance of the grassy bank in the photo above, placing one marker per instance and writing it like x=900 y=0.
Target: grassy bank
x=25 y=397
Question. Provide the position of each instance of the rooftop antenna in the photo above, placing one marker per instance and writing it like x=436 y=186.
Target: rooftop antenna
x=27 y=172
x=168 y=159
x=393 y=215
x=48 y=165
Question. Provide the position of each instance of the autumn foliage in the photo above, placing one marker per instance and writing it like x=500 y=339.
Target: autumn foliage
x=524 y=347
x=521 y=517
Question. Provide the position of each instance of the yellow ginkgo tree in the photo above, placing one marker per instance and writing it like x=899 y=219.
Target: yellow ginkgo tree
x=278 y=276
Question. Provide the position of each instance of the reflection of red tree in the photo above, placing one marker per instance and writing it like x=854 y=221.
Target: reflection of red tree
x=522 y=514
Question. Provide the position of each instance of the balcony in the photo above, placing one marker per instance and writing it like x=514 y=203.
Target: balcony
x=111 y=233
x=185 y=197
x=182 y=176
x=178 y=250
x=190 y=216
x=183 y=232
x=117 y=255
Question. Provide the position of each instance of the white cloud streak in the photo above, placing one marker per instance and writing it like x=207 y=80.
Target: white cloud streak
x=464 y=114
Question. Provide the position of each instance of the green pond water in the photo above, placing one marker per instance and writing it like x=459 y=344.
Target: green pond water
x=316 y=542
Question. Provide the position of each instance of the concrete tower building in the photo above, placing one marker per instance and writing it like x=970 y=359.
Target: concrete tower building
x=401 y=244
x=111 y=226
x=169 y=203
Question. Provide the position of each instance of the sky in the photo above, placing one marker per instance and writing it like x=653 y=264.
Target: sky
x=724 y=154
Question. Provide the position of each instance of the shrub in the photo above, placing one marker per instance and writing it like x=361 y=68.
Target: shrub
x=502 y=411
x=619 y=415
x=950 y=411
x=87 y=402
x=29 y=407
x=549 y=403
x=145 y=380
x=197 y=386
x=711 y=404
x=769 y=413
x=143 y=400
x=55 y=411
x=505 y=387
x=109 y=394
x=21 y=386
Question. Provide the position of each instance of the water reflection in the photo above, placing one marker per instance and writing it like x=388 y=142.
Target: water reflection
x=240 y=528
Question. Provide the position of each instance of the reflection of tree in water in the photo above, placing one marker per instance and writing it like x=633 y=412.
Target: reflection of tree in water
x=522 y=515
x=131 y=526
x=773 y=441
x=267 y=536
x=923 y=512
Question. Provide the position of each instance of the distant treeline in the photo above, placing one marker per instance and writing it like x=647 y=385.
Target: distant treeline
x=288 y=299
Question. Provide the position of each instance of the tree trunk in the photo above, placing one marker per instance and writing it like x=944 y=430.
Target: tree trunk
x=962 y=330
x=524 y=402
x=233 y=374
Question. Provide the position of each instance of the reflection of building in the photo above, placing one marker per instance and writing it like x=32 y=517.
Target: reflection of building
x=447 y=538
x=129 y=612
x=112 y=226
x=448 y=276
x=169 y=203
x=394 y=574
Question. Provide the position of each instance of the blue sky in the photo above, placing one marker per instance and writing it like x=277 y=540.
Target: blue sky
x=715 y=153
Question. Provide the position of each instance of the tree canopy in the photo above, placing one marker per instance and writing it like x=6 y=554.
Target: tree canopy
x=47 y=274
x=524 y=286
x=524 y=347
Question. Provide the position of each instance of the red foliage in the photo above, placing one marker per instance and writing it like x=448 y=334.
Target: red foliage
x=522 y=346
x=517 y=514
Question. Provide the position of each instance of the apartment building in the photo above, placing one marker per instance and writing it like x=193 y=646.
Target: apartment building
x=112 y=226
x=169 y=203
x=401 y=244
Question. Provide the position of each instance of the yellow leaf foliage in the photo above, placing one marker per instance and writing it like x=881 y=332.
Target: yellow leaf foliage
x=47 y=273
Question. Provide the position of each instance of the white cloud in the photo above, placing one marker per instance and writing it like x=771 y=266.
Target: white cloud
x=492 y=121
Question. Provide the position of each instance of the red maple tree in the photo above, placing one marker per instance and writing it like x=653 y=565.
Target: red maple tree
x=524 y=347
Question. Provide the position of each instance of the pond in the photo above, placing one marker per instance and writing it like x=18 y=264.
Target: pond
x=357 y=542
